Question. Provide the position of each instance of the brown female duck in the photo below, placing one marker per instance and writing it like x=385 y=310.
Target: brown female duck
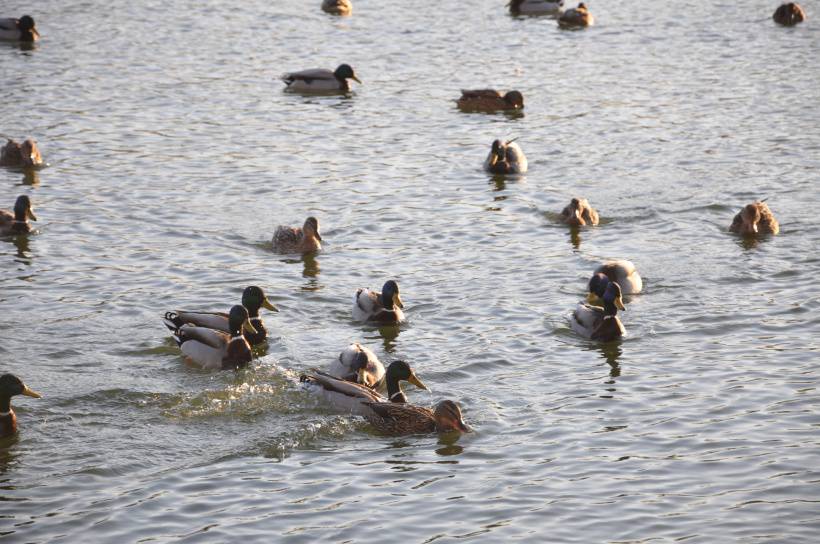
x=789 y=14
x=401 y=419
x=490 y=100
x=755 y=218
x=579 y=213
x=298 y=240
x=25 y=155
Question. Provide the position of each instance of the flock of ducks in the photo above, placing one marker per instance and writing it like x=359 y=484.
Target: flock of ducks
x=357 y=382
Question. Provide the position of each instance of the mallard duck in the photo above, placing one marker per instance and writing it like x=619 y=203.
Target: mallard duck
x=384 y=307
x=489 y=100
x=401 y=419
x=576 y=17
x=25 y=155
x=623 y=272
x=356 y=363
x=337 y=7
x=506 y=158
x=578 y=212
x=211 y=349
x=350 y=396
x=599 y=323
x=18 y=30
x=253 y=299
x=319 y=80
x=789 y=14
x=11 y=385
x=17 y=222
x=536 y=7
x=298 y=240
x=753 y=219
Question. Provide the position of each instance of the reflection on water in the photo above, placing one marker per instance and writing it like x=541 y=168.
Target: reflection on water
x=31 y=177
x=448 y=444
x=499 y=183
x=21 y=242
x=389 y=333
x=311 y=265
x=7 y=456
x=575 y=236
x=611 y=352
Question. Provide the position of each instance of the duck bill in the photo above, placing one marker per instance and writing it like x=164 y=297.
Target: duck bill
x=268 y=306
x=247 y=327
x=29 y=393
x=416 y=381
x=463 y=427
x=30 y=214
x=319 y=237
x=356 y=79
x=619 y=303
x=397 y=301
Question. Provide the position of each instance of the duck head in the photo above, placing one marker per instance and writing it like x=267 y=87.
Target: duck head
x=390 y=295
x=515 y=99
x=253 y=298
x=448 y=418
x=311 y=227
x=10 y=386
x=28 y=32
x=238 y=321
x=345 y=71
x=23 y=210
x=597 y=286
x=400 y=371
x=612 y=299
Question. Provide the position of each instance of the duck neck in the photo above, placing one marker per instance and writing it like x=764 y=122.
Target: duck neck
x=394 y=391
x=610 y=310
x=5 y=405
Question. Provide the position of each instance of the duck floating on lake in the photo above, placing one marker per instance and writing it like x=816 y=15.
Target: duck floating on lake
x=490 y=100
x=25 y=155
x=298 y=240
x=622 y=272
x=506 y=157
x=789 y=14
x=211 y=349
x=536 y=7
x=753 y=219
x=357 y=363
x=403 y=419
x=17 y=222
x=320 y=80
x=10 y=386
x=579 y=213
x=337 y=7
x=18 y=30
x=385 y=307
x=578 y=17
x=598 y=323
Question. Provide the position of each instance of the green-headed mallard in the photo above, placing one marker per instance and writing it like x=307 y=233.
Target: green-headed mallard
x=350 y=396
x=253 y=299
x=579 y=213
x=17 y=222
x=320 y=80
x=25 y=155
x=211 y=349
x=489 y=100
x=789 y=14
x=599 y=323
x=621 y=271
x=401 y=419
x=18 y=30
x=384 y=307
x=578 y=17
x=11 y=385
x=753 y=219
x=298 y=240
x=536 y=7
x=337 y=7
x=505 y=158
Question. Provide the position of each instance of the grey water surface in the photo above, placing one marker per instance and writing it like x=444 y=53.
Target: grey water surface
x=174 y=153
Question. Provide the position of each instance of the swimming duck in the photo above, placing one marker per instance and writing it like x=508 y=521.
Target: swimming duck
x=598 y=323
x=401 y=419
x=506 y=158
x=536 y=7
x=489 y=100
x=298 y=240
x=753 y=219
x=18 y=30
x=211 y=349
x=384 y=307
x=253 y=299
x=337 y=7
x=578 y=212
x=789 y=14
x=350 y=396
x=319 y=80
x=11 y=385
x=579 y=17
x=25 y=155
x=356 y=363
x=623 y=272
x=17 y=222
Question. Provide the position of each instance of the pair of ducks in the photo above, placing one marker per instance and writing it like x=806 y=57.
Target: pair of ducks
x=608 y=284
x=25 y=155
x=10 y=386
x=18 y=30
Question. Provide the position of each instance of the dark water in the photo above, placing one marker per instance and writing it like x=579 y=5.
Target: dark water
x=173 y=154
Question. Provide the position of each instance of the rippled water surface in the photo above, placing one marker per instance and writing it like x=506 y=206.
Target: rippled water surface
x=173 y=154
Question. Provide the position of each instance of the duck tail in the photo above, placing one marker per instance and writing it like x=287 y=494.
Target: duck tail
x=172 y=321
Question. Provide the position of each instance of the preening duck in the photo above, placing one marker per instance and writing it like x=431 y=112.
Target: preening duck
x=211 y=349
x=490 y=100
x=298 y=240
x=789 y=14
x=337 y=7
x=402 y=419
x=536 y=7
x=598 y=323
x=319 y=80
x=25 y=155
x=621 y=271
x=17 y=222
x=506 y=158
x=357 y=363
x=11 y=385
x=384 y=307
x=18 y=30
x=753 y=219
x=579 y=213
x=578 y=17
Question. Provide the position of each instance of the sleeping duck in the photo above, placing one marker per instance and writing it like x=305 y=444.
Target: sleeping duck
x=402 y=419
x=579 y=17
x=490 y=100
x=319 y=80
x=253 y=299
x=579 y=213
x=25 y=155
x=337 y=7
x=350 y=396
x=356 y=363
x=298 y=240
x=789 y=14
x=623 y=272
x=536 y=7
x=598 y=323
x=384 y=307
x=505 y=158
x=211 y=349
x=18 y=30
x=753 y=219
x=17 y=222
x=11 y=385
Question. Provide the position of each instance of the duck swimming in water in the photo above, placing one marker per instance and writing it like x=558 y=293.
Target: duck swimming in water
x=598 y=323
x=17 y=222
x=536 y=7
x=490 y=100
x=11 y=385
x=319 y=80
x=403 y=419
x=385 y=307
x=18 y=30
x=579 y=213
x=789 y=14
x=337 y=7
x=622 y=272
x=505 y=158
x=25 y=155
x=298 y=240
x=753 y=219
x=211 y=349
x=357 y=363
x=578 y=17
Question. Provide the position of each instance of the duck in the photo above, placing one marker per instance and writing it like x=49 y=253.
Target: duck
x=621 y=271
x=10 y=386
x=506 y=158
x=18 y=30
x=337 y=7
x=298 y=240
x=350 y=396
x=17 y=222
x=384 y=307
x=579 y=213
x=403 y=419
x=253 y=299
x=211 y=349
x=25 y=155
x=789 y=14
x=597 y=323
x=578 y=17
x=536 y=7
x=753 y=219
x=357 y=363
x=320 y=80
x=490 y=100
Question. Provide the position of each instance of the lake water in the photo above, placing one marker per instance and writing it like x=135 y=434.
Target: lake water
x=173 y=154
